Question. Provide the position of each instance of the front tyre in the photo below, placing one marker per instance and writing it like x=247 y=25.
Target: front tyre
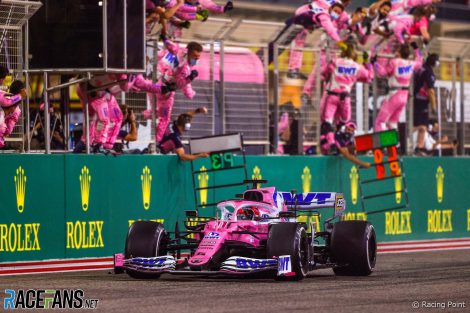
x=353 y=248
x=144 y=239
x=290 y=239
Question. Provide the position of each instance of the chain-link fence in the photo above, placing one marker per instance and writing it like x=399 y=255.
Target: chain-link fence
x=13 y=15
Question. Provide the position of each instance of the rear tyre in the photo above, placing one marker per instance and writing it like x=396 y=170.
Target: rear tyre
x=290 y=239
x=144 y=239
x=353 y=248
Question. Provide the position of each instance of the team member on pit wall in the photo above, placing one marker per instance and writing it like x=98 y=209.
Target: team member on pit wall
x=175 y=68
x=10 y=111
x=399 y=71
x=171 y=141
x=97 y=101
x=355 y=29
x=106 y=103
x=404 y=6
x=312 y=16
x=340 y=20
x=336 y=101
x=7 y=99
x=344 y=144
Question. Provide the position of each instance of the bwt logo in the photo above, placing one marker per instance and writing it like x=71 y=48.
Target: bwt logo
x=405 y=69
x=283 y=265
x=304 y=198
x=47 y=299
x=248 y=263
x=347 y=70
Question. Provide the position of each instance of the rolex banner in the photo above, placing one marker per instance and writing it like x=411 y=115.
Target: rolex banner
x=74 y=206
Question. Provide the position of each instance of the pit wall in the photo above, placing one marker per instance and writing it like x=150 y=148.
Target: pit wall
x=74 y=206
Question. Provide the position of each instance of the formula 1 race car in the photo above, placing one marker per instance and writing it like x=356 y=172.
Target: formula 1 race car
x=261 y=232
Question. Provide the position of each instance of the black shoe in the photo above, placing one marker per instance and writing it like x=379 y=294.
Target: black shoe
x=228 y=7
x=98 y=148
x=79 y=147
x=333 y=150
x=296 y=74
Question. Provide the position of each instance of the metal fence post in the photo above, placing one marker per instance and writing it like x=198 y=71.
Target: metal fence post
x=462 y=107
x=46 y=125
x=317 y=93
x=365 y=105
x=153 y=105
x=212 y=80
x=222 y=84
x=409 y=115
x=275 y=118
x=87 y=121
x=266 y=75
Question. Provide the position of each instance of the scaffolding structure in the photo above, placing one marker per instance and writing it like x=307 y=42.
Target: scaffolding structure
x=14 y=15
x=246 y=84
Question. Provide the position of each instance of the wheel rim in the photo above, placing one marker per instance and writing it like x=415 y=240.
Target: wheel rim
x=371 y=249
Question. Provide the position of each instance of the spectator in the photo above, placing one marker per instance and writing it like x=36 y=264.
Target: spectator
x=171 y=141
x=424 y=93
x=10 y=111
x=344 y=144
x=427 y=143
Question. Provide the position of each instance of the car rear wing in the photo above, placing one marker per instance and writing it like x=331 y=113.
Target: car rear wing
x=313 y=200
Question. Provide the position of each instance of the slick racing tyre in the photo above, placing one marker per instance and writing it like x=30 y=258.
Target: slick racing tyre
x=353 y=248
x=290 y=239
x=144 y=239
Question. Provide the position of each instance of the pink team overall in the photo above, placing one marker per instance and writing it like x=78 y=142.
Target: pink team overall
x=174 y=68
x=356 y=28
x=8 y=121
x=400 y=25
x=98 y=104
x=400 y=72
x=403 y=6
x=336 y=101
x=316 y=15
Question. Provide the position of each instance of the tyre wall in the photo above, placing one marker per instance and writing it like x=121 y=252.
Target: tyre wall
x=73 y=206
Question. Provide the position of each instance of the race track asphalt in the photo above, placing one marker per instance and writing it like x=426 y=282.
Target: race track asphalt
x=431 y=278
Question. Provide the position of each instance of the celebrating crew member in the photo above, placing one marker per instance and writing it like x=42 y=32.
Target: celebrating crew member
x=400 y=72
x=336 y=101
x=175 y=68
x=10 y=111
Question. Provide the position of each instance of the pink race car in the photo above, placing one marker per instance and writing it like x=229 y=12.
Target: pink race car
x=260 y=233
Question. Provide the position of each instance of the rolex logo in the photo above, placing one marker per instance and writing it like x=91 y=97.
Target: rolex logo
x=85 y=180
x=257 y=175
x=440 y=184
x=397 y=189
x=20 y=187
x=203 y=179
x=306 y=179
x=354 y=179
x=146 y=179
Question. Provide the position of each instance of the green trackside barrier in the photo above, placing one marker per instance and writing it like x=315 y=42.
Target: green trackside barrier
x=71 y=206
